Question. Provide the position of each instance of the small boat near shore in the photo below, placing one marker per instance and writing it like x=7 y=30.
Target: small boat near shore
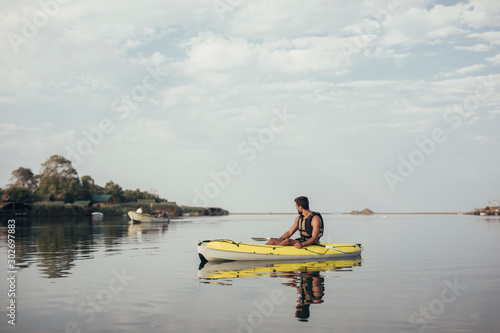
x=145 y=218
x=227 y=250
x=98 y=215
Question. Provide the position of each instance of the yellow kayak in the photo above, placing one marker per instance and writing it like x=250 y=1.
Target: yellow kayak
x=227 y=250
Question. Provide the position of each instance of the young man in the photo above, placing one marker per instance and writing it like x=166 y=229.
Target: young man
x=309 y=224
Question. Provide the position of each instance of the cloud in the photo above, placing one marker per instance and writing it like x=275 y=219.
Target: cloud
x=462 y=71
x=361 y=80
x=474 y=48
x=495 y=59
x=297 y=56
x=492 y=37
x=446 y=32
x=416 y=25
x=483 y=13
x=469 y=69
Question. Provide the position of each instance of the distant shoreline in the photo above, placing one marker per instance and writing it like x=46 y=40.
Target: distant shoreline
x=392 y=213
x=414 y=213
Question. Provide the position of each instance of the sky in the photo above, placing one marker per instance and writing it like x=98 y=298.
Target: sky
x=245 y=105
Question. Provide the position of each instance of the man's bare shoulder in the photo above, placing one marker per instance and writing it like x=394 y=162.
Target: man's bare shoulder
x=316 y=219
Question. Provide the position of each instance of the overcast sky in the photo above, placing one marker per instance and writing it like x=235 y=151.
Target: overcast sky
x=246 y=105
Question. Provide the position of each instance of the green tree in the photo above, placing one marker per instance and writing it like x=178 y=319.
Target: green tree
x=89 y=187
x=20 y=194
x=73 y=191
x=132 y=195
x=57 y=179
x=23 y=178
x=115 y=190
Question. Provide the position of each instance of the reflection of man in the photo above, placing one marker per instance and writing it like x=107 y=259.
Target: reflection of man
x=310 y=286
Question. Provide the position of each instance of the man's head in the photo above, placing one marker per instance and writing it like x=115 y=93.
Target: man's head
x=302 y=203
x=302 y=313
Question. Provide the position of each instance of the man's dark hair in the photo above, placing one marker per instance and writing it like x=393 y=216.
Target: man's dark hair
x=302 y=202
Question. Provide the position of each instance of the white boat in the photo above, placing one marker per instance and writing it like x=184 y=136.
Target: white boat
x=145 y=218
x=97 y=215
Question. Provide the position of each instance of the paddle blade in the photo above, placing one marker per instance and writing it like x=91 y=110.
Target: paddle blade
x=260 y=239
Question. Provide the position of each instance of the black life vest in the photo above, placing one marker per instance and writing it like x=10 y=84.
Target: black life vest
x=305 y=227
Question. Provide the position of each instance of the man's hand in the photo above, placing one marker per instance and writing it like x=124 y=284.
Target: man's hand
x=298 y=245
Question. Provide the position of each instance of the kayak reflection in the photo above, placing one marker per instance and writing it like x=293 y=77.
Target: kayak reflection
x=305 y=277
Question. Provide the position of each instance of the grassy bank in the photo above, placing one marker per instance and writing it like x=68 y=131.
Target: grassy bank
x=56 y=209
x=120 y=209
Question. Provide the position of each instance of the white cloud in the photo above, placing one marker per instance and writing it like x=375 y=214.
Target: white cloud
x=483 y=13
x=418 y=25
x=209 y=53
x=132 y=44
x=445 y=32
x=435 y=25
x=461 y=71
x=495 y=60
x=469 y=69
x=492 y=37
x=474 y=48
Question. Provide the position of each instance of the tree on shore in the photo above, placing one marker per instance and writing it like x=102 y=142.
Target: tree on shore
x=24 y=178
x=115 y=190
x=134 y=195
x=89 y=187
x=59 y=181
x=22 y=185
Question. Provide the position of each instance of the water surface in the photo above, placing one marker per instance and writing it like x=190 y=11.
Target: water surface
x=432 y=273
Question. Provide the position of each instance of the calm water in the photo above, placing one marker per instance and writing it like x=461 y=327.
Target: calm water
x=419 y=273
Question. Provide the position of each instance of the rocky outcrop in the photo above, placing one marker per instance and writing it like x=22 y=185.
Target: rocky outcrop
x=365 y=211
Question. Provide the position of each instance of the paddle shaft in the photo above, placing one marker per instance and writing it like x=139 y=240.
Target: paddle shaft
x=261 y=239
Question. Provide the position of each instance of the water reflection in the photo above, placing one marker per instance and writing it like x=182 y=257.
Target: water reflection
x=305 y=277
x=310 y=286
x=55 y=244
x=138 y=230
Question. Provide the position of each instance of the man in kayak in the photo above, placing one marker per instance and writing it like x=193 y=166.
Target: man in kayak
x=310 y=226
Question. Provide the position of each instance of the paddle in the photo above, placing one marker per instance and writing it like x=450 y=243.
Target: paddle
x=262 y=239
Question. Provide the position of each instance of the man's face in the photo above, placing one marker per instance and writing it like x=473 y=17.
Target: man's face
x=299 y=209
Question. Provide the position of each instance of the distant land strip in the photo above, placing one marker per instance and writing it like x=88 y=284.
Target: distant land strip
x=415 y=213
x=391 y=213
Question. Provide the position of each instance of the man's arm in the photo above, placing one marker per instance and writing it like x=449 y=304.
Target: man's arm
x=316 y=226
x=292 y=230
